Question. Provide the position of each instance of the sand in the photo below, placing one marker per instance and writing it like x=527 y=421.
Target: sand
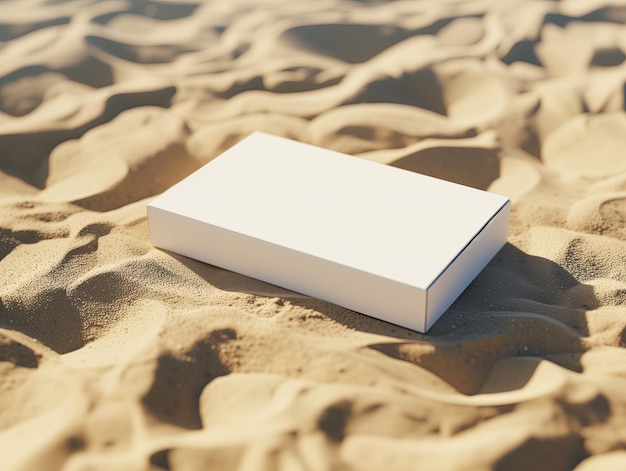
x=116 y=355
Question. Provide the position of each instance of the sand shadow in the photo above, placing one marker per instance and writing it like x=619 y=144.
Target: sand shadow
x=515 y=280
x=9 y=32
x=352 y=43
x=518 y=306
x=25 y=156
x=420 y=88
x=174 y=396
x=513 y=284
x=139 y=53
x=53 y=320
x=524 y=50
x=230 y=281
x=164 y=11
x=357 y=43
x=475 y=167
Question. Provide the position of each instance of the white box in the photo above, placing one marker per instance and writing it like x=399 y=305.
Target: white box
x=383 y=241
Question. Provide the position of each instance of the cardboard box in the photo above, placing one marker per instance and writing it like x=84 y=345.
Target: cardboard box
x=379 y=240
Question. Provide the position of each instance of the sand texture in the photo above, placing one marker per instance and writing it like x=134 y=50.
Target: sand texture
x=117 y=356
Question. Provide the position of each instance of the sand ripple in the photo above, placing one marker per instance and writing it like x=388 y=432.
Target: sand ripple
x=115 y=355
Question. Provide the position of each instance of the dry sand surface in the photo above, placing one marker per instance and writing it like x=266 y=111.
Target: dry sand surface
x=117 y=356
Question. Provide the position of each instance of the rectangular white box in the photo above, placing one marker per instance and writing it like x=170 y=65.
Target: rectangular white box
x=383 y=241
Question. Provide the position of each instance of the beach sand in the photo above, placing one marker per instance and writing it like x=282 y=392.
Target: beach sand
x=117 y=356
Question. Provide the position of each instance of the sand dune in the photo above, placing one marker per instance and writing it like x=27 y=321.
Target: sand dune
x=116 y=355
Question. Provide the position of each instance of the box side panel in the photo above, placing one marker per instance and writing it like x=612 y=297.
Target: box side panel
x=363 y=292
x=469 y=263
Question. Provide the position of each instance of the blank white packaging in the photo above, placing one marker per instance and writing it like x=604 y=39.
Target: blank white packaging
x=383 y=241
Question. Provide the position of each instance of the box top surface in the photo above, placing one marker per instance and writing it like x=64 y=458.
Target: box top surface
x=376 y=218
